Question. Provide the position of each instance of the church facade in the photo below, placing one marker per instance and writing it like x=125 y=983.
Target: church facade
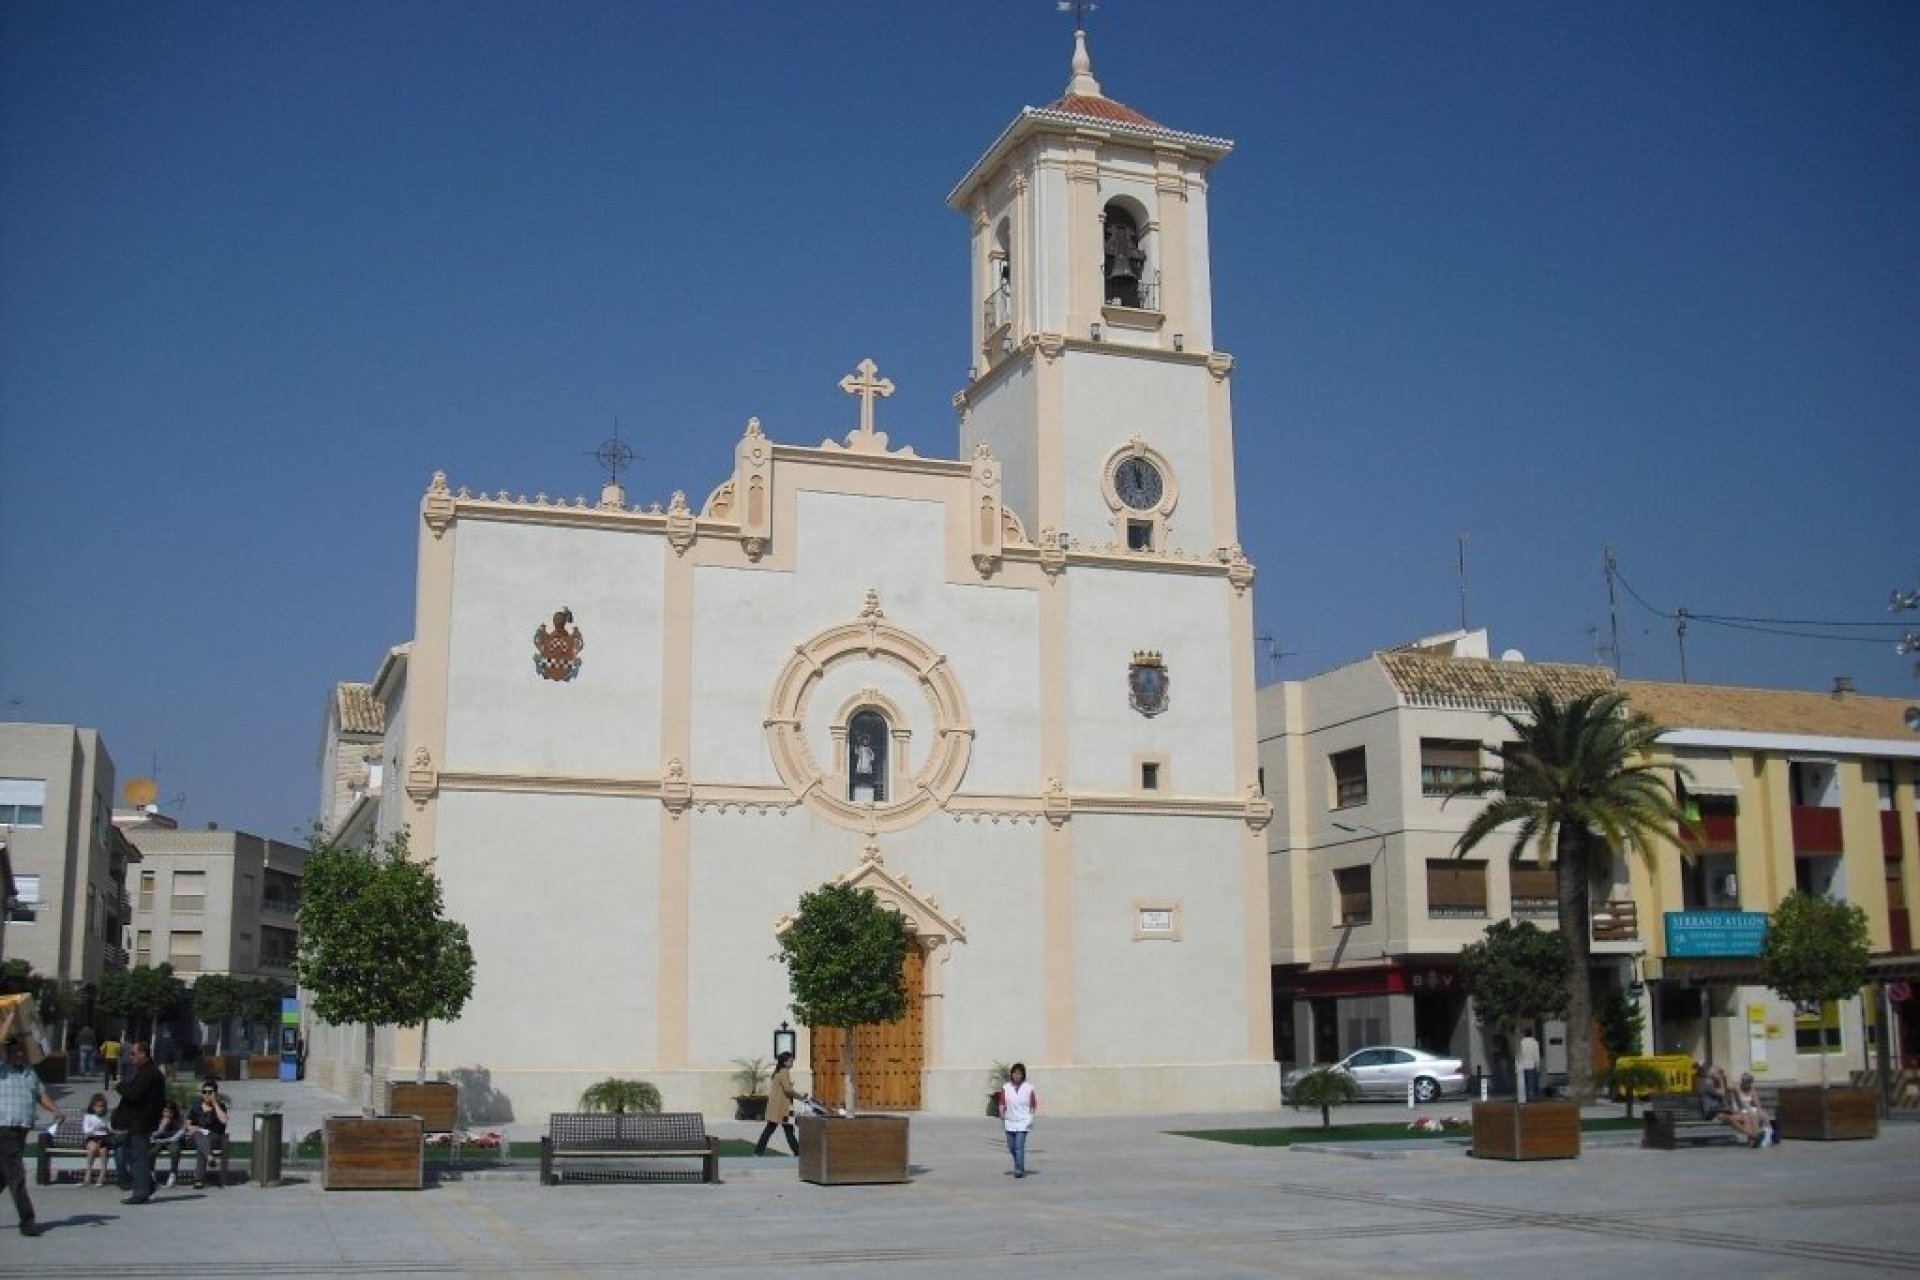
x=1012 y=693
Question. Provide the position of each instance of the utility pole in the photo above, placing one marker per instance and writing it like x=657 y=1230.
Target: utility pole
x=1613 y=610
x=1460 y=563
x=1680 y=633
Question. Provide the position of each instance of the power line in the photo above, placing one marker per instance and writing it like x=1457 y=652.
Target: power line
x=1765 y=626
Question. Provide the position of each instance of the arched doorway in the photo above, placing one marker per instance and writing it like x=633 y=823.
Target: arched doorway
x=888 y=1057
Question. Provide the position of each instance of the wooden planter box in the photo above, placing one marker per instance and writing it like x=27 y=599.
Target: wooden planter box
x=1526 y=1131
x=384 y=1153
x=1809 y=1113
x=836 y=1150
x=263 y=1066
x=436 y=1102
x=750 y=1106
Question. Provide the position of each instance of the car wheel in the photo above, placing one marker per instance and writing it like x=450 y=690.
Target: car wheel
x=1425 y=1089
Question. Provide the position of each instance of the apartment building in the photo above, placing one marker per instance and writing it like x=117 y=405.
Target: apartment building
x=1370 y=906
x=214 y=901
x=68 y=912
x=1790 y=790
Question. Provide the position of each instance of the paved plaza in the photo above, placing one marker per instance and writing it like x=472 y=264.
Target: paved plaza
x=1109 y=1197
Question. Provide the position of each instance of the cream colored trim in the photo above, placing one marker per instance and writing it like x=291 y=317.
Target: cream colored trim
x=899 y=734
x=869 y=638
x=1057 y=967
x=673 y=997
x=427 y=667
x=1161 y=912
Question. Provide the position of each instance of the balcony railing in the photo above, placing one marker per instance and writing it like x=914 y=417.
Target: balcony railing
x=1714 y=833
x=288 y=907
x=1616 y=920
x=1534 y=908
x=998 y=309
x=1816 y=830
x=116 y=957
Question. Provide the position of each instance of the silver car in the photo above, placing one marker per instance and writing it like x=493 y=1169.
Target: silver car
x=1383 y=1071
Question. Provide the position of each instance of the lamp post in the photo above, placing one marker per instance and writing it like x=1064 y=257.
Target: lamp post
x=785 y=1040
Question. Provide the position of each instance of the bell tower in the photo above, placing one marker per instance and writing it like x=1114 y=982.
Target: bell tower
x=1093 y=374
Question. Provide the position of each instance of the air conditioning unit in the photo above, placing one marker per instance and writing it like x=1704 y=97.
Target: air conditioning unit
x=1727 y=886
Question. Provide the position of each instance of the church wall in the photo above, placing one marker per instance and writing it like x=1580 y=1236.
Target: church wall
x=1198 y=266
x=1052 y=258
x=1165 y=405
x=1121 y=863
x=1113 y=614
x=508 y=580
x=1003 y=419
x=560 y=895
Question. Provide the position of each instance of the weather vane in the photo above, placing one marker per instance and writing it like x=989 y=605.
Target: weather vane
x=614 y=454
x=1079 y=9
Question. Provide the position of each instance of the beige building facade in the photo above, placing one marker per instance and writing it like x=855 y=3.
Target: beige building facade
x=1009 y=692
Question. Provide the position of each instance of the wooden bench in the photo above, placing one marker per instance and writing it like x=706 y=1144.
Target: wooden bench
x=65 y=1143
x=595 y=1137
x=1673 y=1118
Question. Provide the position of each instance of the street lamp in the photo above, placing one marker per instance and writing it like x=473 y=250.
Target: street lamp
x=785 y=1040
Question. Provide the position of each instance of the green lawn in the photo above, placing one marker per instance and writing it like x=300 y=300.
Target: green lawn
x=1378 y=1132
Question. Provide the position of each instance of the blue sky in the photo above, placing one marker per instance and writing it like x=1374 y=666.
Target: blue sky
x=1554 y=276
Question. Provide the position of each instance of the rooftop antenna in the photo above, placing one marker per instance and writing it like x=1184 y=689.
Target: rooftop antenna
x=1270 y=649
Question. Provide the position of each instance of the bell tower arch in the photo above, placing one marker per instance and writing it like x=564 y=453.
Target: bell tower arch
x=1093 y=318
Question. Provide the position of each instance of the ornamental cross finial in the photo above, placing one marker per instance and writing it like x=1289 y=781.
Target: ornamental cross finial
x=866 y=383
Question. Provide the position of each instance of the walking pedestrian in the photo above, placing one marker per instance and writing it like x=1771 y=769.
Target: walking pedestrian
x=142 y=1096
x=781 y=1096
x=20 y=1092
x=1018 y=1105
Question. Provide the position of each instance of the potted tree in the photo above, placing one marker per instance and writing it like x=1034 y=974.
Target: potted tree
x=750 y=1088
x=1816 y=952
x=845 y=954
x=997 y=1076
x=1520 y=973
x=376 y=950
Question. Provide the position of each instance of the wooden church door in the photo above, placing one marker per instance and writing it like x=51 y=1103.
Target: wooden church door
x=888 y=1056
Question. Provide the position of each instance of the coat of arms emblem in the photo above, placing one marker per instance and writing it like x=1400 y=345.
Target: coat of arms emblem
x=1147 y=682
x=556 y=651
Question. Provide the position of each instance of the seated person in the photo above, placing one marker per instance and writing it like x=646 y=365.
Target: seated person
x=167 y=1138
x=1746 y=1100
x=96 y=1133
x=1717 y=1103
x=206 y=1120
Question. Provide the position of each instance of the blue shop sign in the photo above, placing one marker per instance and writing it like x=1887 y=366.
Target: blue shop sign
x=1715 y=933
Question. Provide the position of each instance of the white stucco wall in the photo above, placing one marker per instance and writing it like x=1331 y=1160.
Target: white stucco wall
x=1114 y=399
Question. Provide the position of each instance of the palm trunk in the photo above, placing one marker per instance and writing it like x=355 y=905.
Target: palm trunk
x=1575 y=883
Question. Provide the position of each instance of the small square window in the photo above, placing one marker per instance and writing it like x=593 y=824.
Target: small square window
x=1139 y=535
x=1349 y=777
x=1150 y=777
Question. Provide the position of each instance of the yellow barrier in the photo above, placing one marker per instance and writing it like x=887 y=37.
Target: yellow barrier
x=1676 y=1071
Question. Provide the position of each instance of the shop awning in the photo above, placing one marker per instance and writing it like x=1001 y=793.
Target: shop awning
x=1710 y=773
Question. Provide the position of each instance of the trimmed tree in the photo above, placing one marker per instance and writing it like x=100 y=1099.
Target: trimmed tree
x=1816 y=951
x=374 y=946
x=1517 y=972
x=845 y=954
x=143 y=995
x=1579 y=786
x=216 y=999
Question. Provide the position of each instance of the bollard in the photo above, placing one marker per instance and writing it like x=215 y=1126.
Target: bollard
x=266 y=1150
x=1484 y=1082
x=1409 y=1095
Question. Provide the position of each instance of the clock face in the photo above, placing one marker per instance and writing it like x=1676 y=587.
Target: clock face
x=1138 y=483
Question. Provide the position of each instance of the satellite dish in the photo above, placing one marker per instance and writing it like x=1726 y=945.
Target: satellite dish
x=1512 y=655
x=139 y=792
x=1913 y=719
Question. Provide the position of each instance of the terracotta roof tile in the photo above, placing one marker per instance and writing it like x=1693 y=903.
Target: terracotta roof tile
x=359 y=711
x=1079 y=104
x=1429 y=680
x=1706 y=706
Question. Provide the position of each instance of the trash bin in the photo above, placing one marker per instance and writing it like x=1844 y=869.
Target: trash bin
x=266 y=1150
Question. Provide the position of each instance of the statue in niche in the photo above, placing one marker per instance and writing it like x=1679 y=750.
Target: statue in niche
x=867 y=737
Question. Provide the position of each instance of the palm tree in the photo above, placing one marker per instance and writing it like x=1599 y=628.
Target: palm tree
x=1579 y=782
